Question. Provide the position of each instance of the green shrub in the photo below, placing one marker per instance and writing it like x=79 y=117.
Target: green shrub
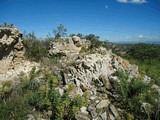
x=46 y=97
x=57 y=55
x=95 y=42
x=133 y=93
x=149 y=68
x=35 y=49
x=6 y=89
x=15 y=107
x=14 y=99
x=42 y=95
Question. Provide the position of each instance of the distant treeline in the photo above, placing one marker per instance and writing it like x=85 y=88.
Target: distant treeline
x=143 y=51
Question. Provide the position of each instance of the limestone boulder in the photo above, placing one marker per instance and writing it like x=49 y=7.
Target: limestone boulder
x=103 y=104
x=12 y=58
x=65 y=46
x=69 y=46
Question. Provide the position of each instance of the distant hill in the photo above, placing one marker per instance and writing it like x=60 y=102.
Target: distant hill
x=135 y=42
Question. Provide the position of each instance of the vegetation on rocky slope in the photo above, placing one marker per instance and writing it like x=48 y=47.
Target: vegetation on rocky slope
x=146 y=56
x=46 y=93
x=17 y=101
x=136 y=97
x=35 y=49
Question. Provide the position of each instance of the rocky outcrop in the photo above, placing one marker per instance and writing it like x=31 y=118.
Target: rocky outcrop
x=10 y=42
x=99 y=68
x=80 y=42
x=12 y=59
x=69 y=46
x=94 y=73
x=63 y=45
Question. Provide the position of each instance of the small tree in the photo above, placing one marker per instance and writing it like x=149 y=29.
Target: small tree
x=71 y=35
x=80 y=35
x=6 y=25
x=95 y=43
x=92 y=37
x=60 y=31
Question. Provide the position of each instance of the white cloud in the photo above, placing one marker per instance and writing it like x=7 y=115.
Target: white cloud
x=135 y=38
x=132 y=1
x=138 y=1
x=145 y=37
x=122 y=1
x=140 y=36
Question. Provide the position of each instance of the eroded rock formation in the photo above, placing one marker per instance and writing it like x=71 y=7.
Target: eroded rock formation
x=12 y=59
x=93 y=73
x=69 y=46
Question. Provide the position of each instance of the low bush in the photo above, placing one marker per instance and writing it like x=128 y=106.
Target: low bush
x=132 y=94
x=35 y=49
x=42 y=95
x=149 y=68
x=15 y=107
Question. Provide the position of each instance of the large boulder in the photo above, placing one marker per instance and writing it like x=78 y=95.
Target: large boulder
x=69 y=46
x=76 y=38
x=103 y=104
x=65 y=46
x=12 y=58
x=10 y=42
x=81 y=42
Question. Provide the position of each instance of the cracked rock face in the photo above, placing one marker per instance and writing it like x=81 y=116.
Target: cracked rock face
x=97 y=68
x=10 y=41
x=12 y=59
x=69 y=46
x=95 y=73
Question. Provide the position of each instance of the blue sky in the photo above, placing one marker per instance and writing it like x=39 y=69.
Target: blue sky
x=113 y=20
